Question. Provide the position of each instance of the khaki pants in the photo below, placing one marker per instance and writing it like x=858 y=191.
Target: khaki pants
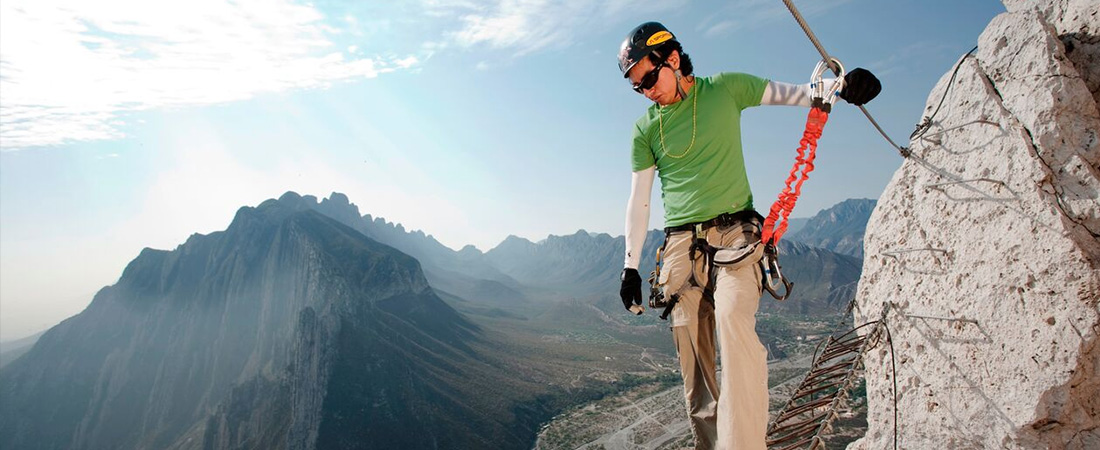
x=738 y=418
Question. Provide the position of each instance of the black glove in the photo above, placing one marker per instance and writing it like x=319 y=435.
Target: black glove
x=631 y=291
x=860 y=86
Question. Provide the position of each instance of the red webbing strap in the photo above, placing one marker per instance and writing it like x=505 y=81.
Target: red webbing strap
x=805 y=161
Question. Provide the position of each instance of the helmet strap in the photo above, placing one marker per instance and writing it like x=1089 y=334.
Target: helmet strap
x=679 y=87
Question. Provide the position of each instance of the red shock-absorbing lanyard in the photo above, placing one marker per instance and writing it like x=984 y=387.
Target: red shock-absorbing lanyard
x=803 y=165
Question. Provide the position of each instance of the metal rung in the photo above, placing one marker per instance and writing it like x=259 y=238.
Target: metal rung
x=797 y=429
x=799 y=444
x=816 y=377
x=809 y=406
x=817 y=389
x=831 y=353
x=802 y=431
x=840 y=350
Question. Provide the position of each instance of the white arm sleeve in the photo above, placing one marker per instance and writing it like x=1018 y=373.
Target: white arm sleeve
x=786 y=94
x=637 y=215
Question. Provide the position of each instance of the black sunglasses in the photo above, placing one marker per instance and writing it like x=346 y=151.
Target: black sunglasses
x=649 y=79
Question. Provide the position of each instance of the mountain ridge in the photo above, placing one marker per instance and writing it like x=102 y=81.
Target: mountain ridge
x=839 y=228
x=158 y=344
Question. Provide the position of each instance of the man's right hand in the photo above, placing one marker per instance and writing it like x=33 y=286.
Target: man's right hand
x=631 y=290
x=860 y=86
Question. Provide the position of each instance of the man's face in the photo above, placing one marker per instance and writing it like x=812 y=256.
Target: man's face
x=664 y=90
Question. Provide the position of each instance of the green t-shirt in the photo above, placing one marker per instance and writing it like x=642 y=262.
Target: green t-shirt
x=707 y=179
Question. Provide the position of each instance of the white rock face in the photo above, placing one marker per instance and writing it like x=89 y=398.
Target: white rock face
x=1079 y=29
x=986 y=245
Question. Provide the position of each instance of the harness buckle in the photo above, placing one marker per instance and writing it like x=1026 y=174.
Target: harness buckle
x=773 y=277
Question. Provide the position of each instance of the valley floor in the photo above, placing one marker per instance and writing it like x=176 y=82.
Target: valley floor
x=651 y=416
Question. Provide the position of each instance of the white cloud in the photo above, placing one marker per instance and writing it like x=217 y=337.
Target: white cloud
x=720 y=28
x=72 y=68
x=526 y=26
x=742 y=14
x=407 y=62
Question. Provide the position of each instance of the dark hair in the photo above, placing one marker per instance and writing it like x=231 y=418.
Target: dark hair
x=662 y=52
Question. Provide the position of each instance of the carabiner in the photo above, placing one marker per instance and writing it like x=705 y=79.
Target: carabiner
x=773 y=278
x=817 y=85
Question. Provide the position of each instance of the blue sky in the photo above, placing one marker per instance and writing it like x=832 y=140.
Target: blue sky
x=128 y=124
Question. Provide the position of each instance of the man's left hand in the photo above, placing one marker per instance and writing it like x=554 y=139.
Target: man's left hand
x=631 y=290
x=860 y=86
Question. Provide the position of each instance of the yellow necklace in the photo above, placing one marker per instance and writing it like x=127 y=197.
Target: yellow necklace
x=661 y=123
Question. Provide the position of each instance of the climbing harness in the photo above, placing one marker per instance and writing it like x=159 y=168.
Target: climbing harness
x=822 y=100
x=749 y=252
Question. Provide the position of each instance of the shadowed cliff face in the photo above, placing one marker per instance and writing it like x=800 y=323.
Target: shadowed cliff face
x=287 y=330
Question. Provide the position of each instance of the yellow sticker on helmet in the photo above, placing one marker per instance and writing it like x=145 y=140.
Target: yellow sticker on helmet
x=658 y=38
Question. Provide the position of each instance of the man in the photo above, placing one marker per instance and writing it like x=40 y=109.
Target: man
x=691 y=137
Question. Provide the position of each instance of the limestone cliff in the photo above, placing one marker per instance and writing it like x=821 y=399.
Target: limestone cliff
x=985 y=243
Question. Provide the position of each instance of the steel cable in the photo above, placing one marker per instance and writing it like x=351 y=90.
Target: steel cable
x=903 y=151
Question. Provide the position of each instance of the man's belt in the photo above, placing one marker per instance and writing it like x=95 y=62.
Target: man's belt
x=725 y=219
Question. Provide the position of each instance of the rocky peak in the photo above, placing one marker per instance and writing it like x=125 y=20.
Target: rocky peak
x=340 y=208
x=336 y=206
x=469 y=250
x=512 y=243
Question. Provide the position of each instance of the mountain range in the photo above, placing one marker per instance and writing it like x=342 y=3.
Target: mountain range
x=308 y=325
x=839 y=228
